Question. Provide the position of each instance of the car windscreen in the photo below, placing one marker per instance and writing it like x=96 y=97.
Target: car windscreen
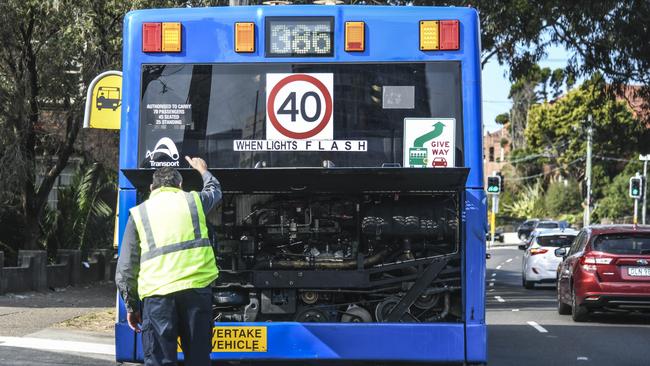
x=556 y=241
x=623 y=243
x=548 y=225
x=219 y=112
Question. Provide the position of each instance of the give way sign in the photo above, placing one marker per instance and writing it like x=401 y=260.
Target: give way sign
x=299 y=106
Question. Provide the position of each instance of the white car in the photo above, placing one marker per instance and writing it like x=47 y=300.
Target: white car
x=539 y=262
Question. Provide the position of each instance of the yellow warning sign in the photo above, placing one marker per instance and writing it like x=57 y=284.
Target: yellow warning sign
x=237 y=339
x=104 y=101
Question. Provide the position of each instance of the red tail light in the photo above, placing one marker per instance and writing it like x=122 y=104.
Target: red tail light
x=590 y=264
x=151 y=37
x=535 y=251
x=449 y=35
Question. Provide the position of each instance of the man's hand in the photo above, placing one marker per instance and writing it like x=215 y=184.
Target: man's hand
x=198 y=164
x=134 y=319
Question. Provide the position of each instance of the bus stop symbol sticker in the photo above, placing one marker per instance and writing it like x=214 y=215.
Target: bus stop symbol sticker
x=109 y=97
x=104 y=101
x=429 y=142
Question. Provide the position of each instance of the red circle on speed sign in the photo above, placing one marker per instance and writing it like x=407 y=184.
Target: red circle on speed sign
x=274 y=119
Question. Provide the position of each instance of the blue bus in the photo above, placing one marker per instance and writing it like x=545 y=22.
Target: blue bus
x=348 y=142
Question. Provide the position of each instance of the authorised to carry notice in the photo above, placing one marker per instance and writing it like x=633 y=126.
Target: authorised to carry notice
x=170 y=114
x=239 y=339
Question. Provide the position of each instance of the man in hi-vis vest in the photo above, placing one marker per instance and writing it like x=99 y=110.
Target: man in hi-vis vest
x=166 y=260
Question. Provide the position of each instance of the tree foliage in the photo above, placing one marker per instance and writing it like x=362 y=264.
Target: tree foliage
x=559 y=129
x=562 y=198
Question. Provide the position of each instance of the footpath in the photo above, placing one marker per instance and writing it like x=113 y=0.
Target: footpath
x=70 y=326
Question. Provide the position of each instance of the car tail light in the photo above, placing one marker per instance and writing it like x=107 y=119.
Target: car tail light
x=590 y=264
x=597 y=260
x=535 y=251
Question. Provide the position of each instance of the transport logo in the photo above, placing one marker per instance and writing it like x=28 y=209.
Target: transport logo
x=164 y=146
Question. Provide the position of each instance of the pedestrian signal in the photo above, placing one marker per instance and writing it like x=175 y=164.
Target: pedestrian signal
x=494 y=185
x=635 y=187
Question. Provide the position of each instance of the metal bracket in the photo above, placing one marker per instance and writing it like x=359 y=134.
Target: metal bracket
x=429 y=274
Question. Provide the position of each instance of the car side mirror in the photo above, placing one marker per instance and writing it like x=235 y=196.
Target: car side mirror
x=522 y=247
x=560 y=252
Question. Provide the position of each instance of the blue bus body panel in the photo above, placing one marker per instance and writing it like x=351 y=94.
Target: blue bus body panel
x=392 y=35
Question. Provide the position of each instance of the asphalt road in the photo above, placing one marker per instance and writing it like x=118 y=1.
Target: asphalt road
x=524 y=327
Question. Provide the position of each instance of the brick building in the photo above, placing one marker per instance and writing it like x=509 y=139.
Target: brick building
x=496 y=149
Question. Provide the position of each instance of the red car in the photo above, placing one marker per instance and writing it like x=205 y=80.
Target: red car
x=606 y=268
x=439 y=161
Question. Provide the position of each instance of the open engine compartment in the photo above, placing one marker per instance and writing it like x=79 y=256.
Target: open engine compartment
x=364 y=250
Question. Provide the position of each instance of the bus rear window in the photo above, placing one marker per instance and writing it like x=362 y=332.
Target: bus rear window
x=556 y=241
x=204 y=110
x=623 y=244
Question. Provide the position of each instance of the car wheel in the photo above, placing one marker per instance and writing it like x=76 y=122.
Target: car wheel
x=579 y=313
x=529 y=285
x=522 y=237
x=562 y=308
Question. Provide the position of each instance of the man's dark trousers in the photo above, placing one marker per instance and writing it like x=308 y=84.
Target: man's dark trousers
x=187 y=314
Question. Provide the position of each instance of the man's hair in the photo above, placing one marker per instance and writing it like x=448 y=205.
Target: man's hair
x=166 y=177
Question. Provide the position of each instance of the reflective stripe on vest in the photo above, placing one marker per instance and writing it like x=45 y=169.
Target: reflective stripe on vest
x=175 y=250
x=155 y=251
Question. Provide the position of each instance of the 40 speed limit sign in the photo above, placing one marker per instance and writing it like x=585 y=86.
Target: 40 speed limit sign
x=299 y=106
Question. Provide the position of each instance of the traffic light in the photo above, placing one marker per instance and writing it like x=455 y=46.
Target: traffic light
x=635 y=187
x=494 y=185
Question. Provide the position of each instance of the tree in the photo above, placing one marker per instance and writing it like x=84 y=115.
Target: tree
x=558 y=129
x=49 y=52
x=616 y=202
x=562 y=198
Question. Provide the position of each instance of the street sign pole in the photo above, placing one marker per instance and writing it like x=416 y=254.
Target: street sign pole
x=493 y=219
x=644 y=206
x=587 y=217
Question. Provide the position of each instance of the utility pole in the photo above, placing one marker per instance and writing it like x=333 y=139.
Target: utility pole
x=645 y=159
x=587 y=218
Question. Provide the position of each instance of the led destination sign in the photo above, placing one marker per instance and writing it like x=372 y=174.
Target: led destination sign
x=299 y=36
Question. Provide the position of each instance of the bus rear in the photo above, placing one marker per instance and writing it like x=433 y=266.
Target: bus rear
x=347 y=140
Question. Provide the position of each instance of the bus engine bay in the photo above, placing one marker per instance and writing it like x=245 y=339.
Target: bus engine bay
x=375 y=248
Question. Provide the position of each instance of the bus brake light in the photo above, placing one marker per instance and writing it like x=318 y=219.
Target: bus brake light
x=151 y=37
x=449 y=35
x=171 y=37
x=355 y=36
x=245 y=37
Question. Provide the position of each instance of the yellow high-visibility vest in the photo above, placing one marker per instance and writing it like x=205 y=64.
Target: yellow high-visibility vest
x=175 y=250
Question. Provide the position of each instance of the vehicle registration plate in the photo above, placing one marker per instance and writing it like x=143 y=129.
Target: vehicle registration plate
x=638 y=271
x=237 y=339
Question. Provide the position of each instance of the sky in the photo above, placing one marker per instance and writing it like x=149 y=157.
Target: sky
x=496 y=85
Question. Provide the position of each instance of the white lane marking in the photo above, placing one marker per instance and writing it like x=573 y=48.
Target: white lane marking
x=491 y=284
x=537 y=326
x=509 y=260
x=583 y=358
x=515 y=309
x=499 y=299
x=492 y=279
x=494 y=274
x=491 y=289
x=499 y=267
x=57 y=345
